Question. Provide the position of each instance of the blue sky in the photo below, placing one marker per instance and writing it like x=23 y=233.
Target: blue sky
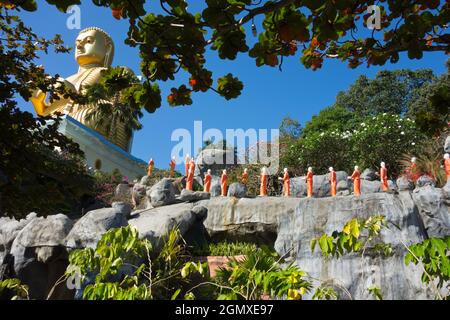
x=268 y=95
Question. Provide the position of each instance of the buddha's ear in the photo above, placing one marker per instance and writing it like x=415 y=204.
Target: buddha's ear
x=109 y=56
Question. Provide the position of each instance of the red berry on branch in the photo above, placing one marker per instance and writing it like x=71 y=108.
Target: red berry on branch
x=192 y=82
x=117 y=13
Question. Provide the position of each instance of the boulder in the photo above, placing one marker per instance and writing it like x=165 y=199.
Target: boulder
x=433 y=210
x=138 y=196
x=425 y=181
x=146 y=181
x=404 y=184
x=342 y=185
x=237 y=190
x=369 y=186
x=9 y=228
x=40 y=256
x=321 y=185
x=369 y=175
x=89 y=229
x=215 y=186
x=193 y=196
x=123 y=191
x=214 y=159
x=162 y=193
x=154 y=224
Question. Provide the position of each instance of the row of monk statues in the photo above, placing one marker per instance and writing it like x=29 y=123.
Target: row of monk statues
x=309 y=178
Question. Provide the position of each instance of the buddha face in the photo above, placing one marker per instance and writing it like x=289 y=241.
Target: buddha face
x=90 y=48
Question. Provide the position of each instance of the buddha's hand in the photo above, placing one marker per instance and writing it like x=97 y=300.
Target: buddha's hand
x=38 y=101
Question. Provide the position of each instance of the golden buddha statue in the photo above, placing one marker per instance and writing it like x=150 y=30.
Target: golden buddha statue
x=94 y=52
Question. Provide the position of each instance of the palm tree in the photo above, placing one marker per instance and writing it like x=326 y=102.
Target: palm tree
x=114 y=109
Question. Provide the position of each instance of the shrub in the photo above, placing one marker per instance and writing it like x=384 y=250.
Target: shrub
x=124 y=267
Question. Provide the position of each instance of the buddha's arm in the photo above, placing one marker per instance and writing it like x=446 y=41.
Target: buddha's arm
x=38 y=98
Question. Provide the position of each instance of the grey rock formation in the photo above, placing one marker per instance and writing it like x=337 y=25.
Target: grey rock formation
x=162 y=193
x=89 y=229
x=342 y=185
x=447 y=144
x=237 y=190
x=425 y=181
x=192 y=196
x=40 y=257
x=214 y=159
x=404 y=184
x=313 y=217
x=215 y=186
x=9 y=228
x=123 y=191
x=434 y=212
x=138 y=196
x=291 y=223
x=321 y=184
x=368 y=186
x=145 y=181
x=154 y=224
x=369 y=174
x=254 y=220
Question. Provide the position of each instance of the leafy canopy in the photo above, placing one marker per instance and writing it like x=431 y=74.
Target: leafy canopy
x=312 y=30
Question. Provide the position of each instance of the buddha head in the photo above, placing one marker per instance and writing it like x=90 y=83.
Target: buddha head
x=94 y=46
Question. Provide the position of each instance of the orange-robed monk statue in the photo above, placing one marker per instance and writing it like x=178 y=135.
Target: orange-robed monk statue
x=151 y=165
x=356 y=177
x=207 y=181
x=172 y=164
x=190 y=175
x=223 y=183
x=333 y=181
x=244 y=178
x=383 y=177
x=263 y=182
x=186 y=165
x=309 y=182
x=286 y=183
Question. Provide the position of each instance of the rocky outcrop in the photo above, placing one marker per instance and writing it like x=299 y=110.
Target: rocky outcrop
x=39 y=246
x=237 y=190
x=403 y=184
x=291 y=223
x=215 y=186
x=425 y=181
x=321 y=184
x=123 y=191
x=162 y=193
x=154 y=224
x=193 y=196
x=369 y=175
x=214 y=159
x=89 y=229
x=39 y=255
x=433 y=210
x=254 y=220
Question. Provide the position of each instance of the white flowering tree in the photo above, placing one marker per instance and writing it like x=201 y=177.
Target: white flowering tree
x=385 y=137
